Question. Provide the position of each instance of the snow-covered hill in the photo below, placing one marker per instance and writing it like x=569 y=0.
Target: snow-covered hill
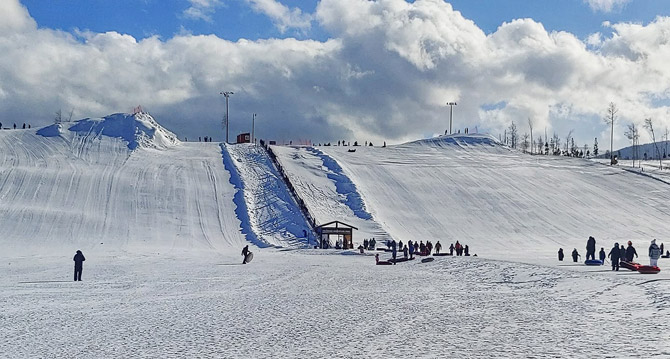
x=503 y=203
x=119 y=183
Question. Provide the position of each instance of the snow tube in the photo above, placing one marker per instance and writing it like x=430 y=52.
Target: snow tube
x=441 y=254
x=426 y=260
x=398 y=260
x=593 y=262
x=648 y=269
x=629 y=265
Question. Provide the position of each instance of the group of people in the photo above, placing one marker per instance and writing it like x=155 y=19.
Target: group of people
x=460 y=249
x=617 y=254
x=24 y=126
x=369 y=244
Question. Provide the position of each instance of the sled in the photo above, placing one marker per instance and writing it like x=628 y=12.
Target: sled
x=441 y=254
x=593 y=262
x=400 y=260
x=629 y=265
x=248 y=258
x=648 y=269
x=426 y=260
x=384 y=263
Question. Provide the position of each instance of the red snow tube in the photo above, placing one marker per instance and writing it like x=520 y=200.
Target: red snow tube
x=629 y=265
x=648 y=269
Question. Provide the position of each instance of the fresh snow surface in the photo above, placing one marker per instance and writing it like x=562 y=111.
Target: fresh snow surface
x=162 y=223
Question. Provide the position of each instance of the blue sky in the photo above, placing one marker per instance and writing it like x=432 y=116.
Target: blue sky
x=332 y=69
x=235 y=19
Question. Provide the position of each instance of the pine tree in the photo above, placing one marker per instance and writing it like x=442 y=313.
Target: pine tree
x=595 y=147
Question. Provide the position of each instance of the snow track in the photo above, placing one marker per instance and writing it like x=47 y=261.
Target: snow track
x=270 y=214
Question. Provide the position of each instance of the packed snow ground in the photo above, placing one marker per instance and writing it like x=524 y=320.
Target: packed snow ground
x=162 y=223
x=301 y=304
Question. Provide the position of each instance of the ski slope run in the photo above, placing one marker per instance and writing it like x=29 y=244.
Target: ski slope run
x=502 y=203
x=119 y=183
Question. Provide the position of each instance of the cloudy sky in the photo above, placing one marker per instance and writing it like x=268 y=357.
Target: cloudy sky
x=341 y=69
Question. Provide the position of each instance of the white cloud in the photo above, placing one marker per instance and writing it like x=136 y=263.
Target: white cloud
x=201 y=9
x=283 y=17
x=606 y=5
x=386 y=74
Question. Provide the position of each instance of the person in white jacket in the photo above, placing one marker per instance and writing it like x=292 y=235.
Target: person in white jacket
x=654 y=253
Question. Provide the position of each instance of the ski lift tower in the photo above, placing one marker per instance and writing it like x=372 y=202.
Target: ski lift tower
x=226 y=94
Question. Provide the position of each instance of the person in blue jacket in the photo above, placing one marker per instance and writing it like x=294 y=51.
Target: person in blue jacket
x=78 y=265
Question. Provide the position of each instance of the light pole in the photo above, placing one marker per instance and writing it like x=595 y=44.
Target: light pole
x=451 y=113
x=253 y=122
x=227 y=95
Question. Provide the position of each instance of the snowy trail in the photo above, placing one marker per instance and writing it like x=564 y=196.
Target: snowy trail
x=300 y=303
x=274 y=217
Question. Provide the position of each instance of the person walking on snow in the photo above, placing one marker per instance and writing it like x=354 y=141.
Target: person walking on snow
x=575 y=254
x=78 y=265
x=630 y=252
x=614 y=255
x=602 y=254
x=654 y=253
x=591 y=248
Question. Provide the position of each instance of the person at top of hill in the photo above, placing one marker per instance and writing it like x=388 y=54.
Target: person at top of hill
x=78 y=265
x=438 y=247
x=614 y=255
x=416 y=247
x=429 y=247
x=602 y=254
x=575 y=255
x=560 y=254
x=400 y=245
x=458 y=248
x=630 y=252
x=405 y=252
x=466 y=249
x=654 y=253
x=411 y=249
x=451 y=249
x=422 y=249
x=591 y=248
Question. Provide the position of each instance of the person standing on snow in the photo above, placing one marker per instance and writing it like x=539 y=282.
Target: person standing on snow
x=654 y=254
x=438 y=247
x=78 y=265
x=614 y=255
x=411 y=250
x=560 y=254
x=591 y=248
x=630 y=252
x=575 y=254
x=451 y=249
x=622 y=255
x=404 y=251
x=602 y=254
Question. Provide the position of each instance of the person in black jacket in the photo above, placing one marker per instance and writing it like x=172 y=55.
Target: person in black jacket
x=622 y=255
x=560 y=254
x=245 y=252
x=591 y=248
x=78 y=265
x=630 y=252
x=614 y=254
x=575 y=254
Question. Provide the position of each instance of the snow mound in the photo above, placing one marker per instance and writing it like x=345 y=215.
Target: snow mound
x=460 y=141
x=138 y=130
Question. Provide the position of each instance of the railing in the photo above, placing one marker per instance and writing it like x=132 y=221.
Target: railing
x=301 y=204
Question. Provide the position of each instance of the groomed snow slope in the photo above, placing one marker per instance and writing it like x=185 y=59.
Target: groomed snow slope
x=120 y=183
x=500 y=202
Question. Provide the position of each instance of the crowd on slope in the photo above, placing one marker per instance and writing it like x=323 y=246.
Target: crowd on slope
x=618 y=253
x=24 y=126
x=414 y=248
